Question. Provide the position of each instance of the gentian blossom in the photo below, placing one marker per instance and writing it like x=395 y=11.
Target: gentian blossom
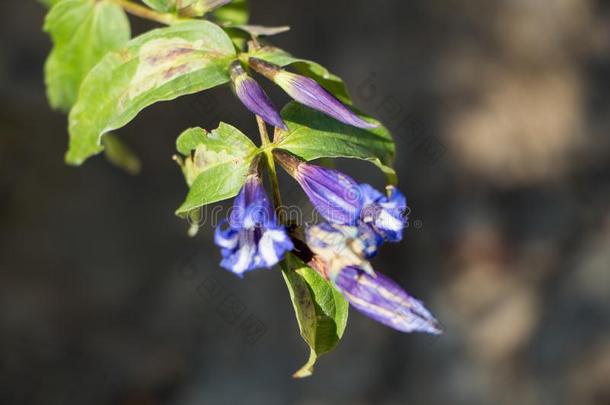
x=340 y=200
x=381 y=299
x=360 y=219
x=308 y=92
x=384 y=213
x=335 y=195
x=252 y=237
x=254 y=97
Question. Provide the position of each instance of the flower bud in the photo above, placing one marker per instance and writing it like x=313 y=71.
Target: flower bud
x=251 y=94
x=308 y=92
x=381 y=299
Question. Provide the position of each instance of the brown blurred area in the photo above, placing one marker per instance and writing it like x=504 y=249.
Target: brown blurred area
x=501 y=114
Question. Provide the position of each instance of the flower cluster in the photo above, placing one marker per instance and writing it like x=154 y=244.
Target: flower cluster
x=326 y=263
x=359 y=218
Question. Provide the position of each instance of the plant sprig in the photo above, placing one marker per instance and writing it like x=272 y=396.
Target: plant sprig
x=104 y=79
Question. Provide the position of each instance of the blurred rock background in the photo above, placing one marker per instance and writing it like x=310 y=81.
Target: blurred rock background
x=501 y=114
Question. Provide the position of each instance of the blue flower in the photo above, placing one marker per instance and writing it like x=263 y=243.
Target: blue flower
x=381 y=299
x=308 y=92
x=384 y=214
x=254 y=97
x=252 y=237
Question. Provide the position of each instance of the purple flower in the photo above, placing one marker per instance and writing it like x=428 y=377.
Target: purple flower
x=381 y=299
x=384 y=214
x=253 y=96
x=308 y=92
x=340 y=200
x=335 y=195
x=252 y=237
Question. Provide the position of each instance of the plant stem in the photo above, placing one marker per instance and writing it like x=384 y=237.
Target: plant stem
x=147 y=13
x=277 y=198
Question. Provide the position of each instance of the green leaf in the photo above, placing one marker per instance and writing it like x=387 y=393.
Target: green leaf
x=188 y=141
x=121 y=155
x=249 y=31
x=320 y=309
x=161 y=5
x=187 y=8
x=234 y=13
x=170 y=6
x=83 y=31
x=160 y=65
x=333 y=83
x=49 y=3
x=313 y=135
x=216 y=164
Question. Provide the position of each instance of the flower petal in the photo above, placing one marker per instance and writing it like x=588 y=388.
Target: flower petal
x=384 y=214
x=252 y=238
x=225 y=237
x=272 y=246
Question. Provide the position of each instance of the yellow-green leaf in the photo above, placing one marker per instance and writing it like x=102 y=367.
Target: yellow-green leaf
x=234 y=13
x=320 y=309
x=215 y=164
x=173 y=6
x=83 y=31
x=160 y=65
x=313 y=135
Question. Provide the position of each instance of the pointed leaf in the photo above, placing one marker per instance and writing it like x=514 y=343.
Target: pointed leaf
x=188 y=141
x=173 y=6
x=161 y=5
x=320 y=309
x=259 y=30
x=312 y=135
x=160 y=65
x=216 y=164
x=83 y=31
